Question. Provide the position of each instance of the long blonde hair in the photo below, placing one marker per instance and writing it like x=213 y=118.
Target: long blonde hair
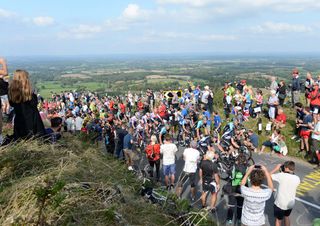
x=20 y=89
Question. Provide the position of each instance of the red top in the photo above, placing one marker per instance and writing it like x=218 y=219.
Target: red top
x=122 y=108
x=140 y=106
x=162 y=111
x=155 y=149
x=281 y=118
x=314 y=97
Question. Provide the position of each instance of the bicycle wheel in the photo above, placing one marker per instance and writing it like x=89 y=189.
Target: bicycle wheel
x=250 y=162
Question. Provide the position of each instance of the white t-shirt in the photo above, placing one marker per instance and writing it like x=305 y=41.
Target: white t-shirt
x=316 y=129
x=169 y=153
x=286 y=192
x=254 y=205
x=191 y=157
x=78 y=122
x=204 y=98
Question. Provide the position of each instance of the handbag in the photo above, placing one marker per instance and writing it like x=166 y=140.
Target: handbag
x=281 y=96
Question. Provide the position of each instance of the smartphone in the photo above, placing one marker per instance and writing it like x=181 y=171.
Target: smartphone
x=257 y=166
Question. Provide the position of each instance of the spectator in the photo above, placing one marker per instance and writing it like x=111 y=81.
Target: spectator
x=153 y=156
x=305 y=126
x=168 y=151
x=78 y=123
x=314 y=99
x=272 y=142
x=315 y=140
x=210 y=180
x=191 y=157
x=54 y=132
x=299 y=116
x=127 y=148
x=280 y=120
x=252 y=141
x=286 y=191
x=120 y=133
x=295 y=87
x=273 y=103
x=27 y=120
x=3 y=89
x=308 y=87
x=282 y=92
x=205 y=95
x=217 y=121
x=274 y=84
x=255 y=197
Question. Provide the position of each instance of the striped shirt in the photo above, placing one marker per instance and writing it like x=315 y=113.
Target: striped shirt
x=254 y=205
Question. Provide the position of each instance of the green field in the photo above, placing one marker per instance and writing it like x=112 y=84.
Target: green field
x=46 y=89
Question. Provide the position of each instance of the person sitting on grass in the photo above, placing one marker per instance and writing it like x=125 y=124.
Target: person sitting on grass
x=273 y=141
x=280 y=120
x=53 y=134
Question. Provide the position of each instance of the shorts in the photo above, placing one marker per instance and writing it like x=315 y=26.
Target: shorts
x=314 y=145
x=4 y=98
x=169 y=169
x=305 y=134
x=208 y=186
x=128 y=154
x=280 y=213
x=184 y=177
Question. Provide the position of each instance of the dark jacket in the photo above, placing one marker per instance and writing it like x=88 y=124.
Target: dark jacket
x=296 y=86
x=27 y=121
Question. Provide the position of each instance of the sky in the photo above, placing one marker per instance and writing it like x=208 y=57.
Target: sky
x=104 y=27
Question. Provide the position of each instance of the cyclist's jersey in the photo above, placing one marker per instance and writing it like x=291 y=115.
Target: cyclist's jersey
x=200 y=124
x=238 y=173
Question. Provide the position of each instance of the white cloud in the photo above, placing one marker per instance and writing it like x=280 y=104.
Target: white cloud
x=43 y=21
x=195 y=3
x=247 y=5
x=6 y=14
x=82 y=31
x=272 y=27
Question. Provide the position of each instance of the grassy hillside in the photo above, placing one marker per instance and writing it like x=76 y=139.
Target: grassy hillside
x=75 y=183
x=71 y=185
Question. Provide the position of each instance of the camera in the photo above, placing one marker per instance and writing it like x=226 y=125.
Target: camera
x=282 y=168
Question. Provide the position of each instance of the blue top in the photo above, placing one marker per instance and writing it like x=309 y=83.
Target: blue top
x=217 y=120
x=254 y=139
x=208 y=116
x=127 y=141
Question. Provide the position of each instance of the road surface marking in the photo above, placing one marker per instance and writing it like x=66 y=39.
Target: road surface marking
x=300 y=200
x=310 y=182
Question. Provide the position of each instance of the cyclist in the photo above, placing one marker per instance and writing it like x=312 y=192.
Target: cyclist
x=210 y=180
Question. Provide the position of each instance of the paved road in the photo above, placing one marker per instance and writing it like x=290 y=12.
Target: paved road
x=308 y=201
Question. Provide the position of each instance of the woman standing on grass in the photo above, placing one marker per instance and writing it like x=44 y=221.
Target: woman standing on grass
x=27 y=120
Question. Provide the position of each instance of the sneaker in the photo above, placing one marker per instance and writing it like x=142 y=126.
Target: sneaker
x=171 y=187
x=213 y=210
x=168 y=188
x=229 y=223
x=130 y=168
x=294 y=137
